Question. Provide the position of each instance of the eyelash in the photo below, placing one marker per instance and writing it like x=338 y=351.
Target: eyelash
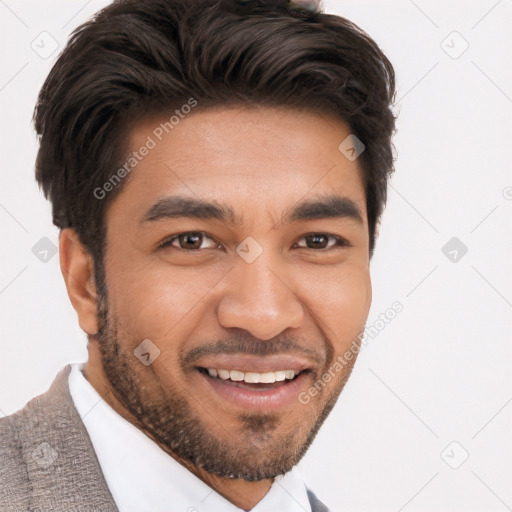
x=340 y=242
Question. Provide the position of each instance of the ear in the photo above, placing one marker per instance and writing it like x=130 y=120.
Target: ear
x=77 y=267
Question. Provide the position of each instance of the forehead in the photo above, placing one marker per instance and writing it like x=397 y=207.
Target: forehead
x=253 y=157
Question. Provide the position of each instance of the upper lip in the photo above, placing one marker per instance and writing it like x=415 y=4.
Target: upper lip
x=251 y=363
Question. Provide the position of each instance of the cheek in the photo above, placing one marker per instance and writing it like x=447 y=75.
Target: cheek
x=341 y=299
x=153 y=300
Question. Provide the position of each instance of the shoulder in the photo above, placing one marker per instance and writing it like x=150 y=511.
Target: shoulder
x=47 y=460
x=13 y=470
x=22 y=443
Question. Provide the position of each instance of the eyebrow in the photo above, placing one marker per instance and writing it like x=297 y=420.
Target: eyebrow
x=327 y=206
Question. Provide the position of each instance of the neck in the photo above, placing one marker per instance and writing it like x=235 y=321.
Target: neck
x=242 y=494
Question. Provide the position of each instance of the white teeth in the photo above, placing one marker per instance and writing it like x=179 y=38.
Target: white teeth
x=223 y=374
x=280 y=375
x=253 y=377
x=236 y=375
x=267 y=377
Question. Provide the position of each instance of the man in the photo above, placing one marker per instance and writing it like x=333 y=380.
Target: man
x=218 y=170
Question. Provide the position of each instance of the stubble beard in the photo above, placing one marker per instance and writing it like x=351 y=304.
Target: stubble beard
x=256 y=451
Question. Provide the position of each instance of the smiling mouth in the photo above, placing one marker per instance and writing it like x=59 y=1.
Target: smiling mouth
x=253 y=381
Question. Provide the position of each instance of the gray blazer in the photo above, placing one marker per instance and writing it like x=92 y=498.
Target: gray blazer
x=47 y=461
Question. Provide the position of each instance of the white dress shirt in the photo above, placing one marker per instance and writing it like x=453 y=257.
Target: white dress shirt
x=142 y=477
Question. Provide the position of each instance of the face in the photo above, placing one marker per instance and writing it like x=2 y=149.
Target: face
x=238 y=249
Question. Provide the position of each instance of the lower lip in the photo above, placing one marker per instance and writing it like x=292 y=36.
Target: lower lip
x=268 y=399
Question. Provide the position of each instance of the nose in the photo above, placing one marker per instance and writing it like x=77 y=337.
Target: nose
x=260 y=299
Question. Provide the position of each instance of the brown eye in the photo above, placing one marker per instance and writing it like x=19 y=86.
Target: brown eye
x=321 y=241
x=190 y=241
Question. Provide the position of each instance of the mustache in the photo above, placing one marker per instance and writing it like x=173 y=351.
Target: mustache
x=256 y=347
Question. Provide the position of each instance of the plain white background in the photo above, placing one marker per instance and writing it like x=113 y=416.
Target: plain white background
x=433 y=389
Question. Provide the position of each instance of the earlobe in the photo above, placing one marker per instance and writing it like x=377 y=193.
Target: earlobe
x=77 y=267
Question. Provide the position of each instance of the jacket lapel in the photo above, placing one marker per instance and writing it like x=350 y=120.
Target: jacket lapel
x=62 y=467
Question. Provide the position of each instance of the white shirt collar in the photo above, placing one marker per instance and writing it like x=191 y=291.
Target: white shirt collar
x=141 y=476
